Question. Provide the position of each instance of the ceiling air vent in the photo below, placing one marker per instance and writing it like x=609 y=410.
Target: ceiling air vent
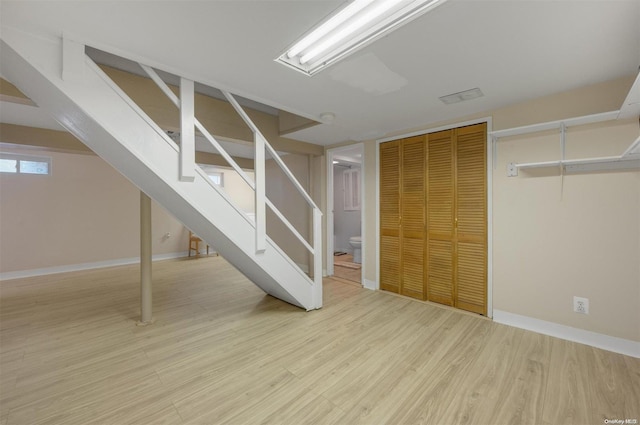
x=462 y=96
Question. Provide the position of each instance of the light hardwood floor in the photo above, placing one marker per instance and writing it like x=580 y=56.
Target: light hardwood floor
x=221 y=351
x=349 y=273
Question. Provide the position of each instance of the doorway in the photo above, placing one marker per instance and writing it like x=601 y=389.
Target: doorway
x=345 y=200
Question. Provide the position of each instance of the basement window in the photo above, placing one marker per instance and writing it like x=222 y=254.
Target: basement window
x=214 y=173
x=24 y=164
x=217 y=178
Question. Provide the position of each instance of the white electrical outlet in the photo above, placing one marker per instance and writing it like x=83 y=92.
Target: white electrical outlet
x=581 y=305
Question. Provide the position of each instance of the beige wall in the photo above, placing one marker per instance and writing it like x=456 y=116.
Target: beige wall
x=556 y=237
x=84 y=212
x=240 y=194
x=288 y=200
x=285 y=197
x=551 y=245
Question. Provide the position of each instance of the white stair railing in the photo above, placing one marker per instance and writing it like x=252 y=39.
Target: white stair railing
x=187 y=167
x=260 y=144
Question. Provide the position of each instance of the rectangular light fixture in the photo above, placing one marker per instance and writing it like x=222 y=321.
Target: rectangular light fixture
x=352 y=27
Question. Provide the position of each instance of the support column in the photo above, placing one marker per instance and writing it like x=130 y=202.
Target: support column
x=145 y=261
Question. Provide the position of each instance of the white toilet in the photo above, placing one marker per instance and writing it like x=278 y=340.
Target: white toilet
x=356 y=244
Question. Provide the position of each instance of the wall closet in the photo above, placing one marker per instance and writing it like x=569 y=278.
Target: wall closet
x=433 y=217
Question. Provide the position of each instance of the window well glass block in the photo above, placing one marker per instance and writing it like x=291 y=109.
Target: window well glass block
x=8 y=165
x=216 y=178
x=34 y=167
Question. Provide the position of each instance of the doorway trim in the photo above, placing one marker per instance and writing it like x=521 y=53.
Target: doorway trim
x=490 y=167
x=330 y=195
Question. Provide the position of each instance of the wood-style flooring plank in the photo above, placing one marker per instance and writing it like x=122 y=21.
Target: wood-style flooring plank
x=633 y=372
x=430 y=400
x=567 y=395
x=610 y=397
x=518 y=397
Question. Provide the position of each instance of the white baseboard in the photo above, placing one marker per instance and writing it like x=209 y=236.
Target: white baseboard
x=305 y=268
x=370 y=284
x=606 y=342
x=86 y=266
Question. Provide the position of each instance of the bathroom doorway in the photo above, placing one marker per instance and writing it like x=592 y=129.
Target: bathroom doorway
x=345 y=188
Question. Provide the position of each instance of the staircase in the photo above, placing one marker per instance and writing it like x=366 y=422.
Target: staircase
x=58 y=76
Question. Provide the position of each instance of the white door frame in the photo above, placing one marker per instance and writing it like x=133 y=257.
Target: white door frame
x=330 y=223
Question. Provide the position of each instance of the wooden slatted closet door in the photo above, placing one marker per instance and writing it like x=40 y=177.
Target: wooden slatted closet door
x=440 y=217
x=471 y=212
x=390 y=216
x=412 y=212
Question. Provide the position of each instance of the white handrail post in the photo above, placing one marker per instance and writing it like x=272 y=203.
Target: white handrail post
x=187 y=131
x=260 y=195
x=317 y=257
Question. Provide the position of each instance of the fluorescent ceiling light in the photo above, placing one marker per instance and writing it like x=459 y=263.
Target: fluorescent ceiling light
x=354 y=26
x=337 y=19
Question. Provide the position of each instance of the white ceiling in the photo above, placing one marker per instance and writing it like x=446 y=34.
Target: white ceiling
x=512 y=50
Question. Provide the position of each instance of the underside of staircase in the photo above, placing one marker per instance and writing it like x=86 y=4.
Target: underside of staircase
x=77 y=93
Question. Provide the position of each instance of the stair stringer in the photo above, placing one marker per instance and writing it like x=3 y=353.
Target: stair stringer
x=94 y=112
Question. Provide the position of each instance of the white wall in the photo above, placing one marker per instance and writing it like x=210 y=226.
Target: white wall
x=345 y=223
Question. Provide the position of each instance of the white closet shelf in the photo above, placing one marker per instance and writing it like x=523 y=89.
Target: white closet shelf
x=591 y=164
x=629 y=160
x=553 y=125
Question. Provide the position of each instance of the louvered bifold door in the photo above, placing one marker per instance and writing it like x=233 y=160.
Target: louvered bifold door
x=471 y=212
x=440 y=217
x=412 y=221
x=390 y=216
